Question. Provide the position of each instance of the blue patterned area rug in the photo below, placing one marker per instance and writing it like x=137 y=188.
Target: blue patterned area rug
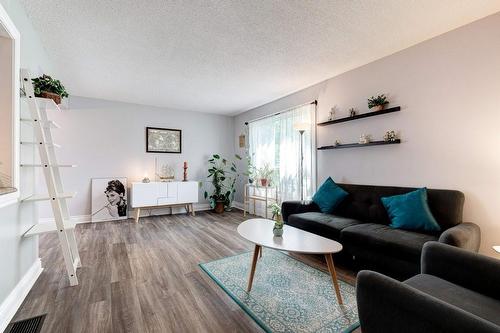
x=287 y=295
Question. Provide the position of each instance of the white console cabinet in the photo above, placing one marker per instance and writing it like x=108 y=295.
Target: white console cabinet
x=163 y=194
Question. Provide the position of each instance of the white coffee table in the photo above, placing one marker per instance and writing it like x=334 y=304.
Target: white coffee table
x=260 y=232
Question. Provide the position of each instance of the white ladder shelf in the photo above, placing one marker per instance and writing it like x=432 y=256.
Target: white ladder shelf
x=48 y=162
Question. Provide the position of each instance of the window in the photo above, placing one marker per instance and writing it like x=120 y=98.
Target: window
x=274 y=141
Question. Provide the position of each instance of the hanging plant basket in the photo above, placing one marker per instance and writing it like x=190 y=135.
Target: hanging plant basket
x=55 y=97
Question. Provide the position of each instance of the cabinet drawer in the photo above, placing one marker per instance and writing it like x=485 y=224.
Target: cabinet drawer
x=166 y=201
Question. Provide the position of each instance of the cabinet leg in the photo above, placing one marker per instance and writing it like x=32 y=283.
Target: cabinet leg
x=192 y=210
x=137 y=214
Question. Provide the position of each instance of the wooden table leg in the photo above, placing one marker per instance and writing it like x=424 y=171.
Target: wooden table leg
x=254 y=264
x=137 y=214
x=192 y=210
x=331 y=269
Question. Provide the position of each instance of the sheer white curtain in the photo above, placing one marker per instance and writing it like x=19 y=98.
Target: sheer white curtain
x=274 y=140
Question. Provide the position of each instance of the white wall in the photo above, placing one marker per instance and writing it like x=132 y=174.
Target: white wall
x=449 y=91
x=107 y=139
x=20 y=254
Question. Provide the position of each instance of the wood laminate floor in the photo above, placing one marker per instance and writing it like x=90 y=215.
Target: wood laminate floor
x=145 y=277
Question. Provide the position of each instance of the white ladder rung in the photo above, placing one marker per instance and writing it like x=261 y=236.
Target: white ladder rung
x=55 y=145
x=48 y=104
x=43 y=228
x=42 y=197
x=52 y=165
x=46 y=124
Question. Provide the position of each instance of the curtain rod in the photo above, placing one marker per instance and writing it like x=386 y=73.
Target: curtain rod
x=315 y=102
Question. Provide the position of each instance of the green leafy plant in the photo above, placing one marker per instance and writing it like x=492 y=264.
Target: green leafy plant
x=265 y=173
x=48 y=84
x=223 y=175
x=251 y=170
x=276 y=215
x=376 y=101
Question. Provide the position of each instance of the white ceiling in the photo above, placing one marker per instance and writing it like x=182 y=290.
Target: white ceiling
x=228 y=56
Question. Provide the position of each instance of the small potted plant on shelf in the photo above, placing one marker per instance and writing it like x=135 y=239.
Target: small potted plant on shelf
x=223 y=175
x=265 y=175
x=377 y=103
x=278 y=220
x=47 y=87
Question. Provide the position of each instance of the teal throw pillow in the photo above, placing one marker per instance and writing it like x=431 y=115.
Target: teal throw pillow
x=328 y=196
x=410 y=211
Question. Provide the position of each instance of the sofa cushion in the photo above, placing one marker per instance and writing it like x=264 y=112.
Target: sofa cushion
x=380 y=238
x=478 y=304
x=363 y=204
x=328 y=196
x=410 y=211
x=325 y=225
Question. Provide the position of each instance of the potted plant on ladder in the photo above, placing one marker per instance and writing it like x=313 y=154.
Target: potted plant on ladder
x=47 y=87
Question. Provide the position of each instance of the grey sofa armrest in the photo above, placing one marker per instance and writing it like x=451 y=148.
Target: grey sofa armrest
x=464 y=235
x=387 y=305
x=465 y=268
x=296 y=207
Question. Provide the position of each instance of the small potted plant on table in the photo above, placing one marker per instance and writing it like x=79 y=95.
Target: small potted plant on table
x=47 y=87
x=265 y=175
x=278 y=220
x=377 y=103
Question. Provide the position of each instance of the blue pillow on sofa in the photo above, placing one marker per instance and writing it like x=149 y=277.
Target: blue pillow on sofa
x=328 y=196
x=410 y=211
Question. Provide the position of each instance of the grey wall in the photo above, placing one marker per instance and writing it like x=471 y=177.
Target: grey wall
x=18 y=254
x=448 y=88
x=107 y=139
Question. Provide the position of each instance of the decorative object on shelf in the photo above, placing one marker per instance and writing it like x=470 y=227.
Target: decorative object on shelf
x=146 y=178
x=336 y=143
x=360 y=116
x=265 y=175
x=352 y=112
x=390 y=136
x=331 y=114
x=164 y=172
x=302 y=127
x=223 y=176
x=109 y=199
x=364 y=139
x=357 y=145
x=47 y=87
x=185 y=167
x=163 y=140
x=377 y=103
x=278 y=221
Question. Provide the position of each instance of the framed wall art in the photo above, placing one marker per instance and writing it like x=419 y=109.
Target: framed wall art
x=109 y=199
x=163 y=140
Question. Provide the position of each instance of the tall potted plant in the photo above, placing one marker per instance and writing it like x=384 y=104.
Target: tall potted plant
x=223 y=175
x=47 y=87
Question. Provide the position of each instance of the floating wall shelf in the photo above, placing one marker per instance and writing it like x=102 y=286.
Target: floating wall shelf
x=360 y=116
x=359 y=145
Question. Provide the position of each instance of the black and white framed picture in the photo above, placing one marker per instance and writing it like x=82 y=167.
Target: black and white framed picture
x=109 y=199
x=163 y=140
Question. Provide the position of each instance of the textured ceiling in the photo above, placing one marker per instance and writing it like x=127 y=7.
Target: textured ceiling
x=228 y=56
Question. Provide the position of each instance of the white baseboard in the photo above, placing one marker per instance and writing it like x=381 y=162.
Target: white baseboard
x=11 y=304
x=259 y=208
x=144 y=213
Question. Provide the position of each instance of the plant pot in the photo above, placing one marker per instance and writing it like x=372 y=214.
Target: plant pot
x=378 y=108
x=219 y=207
x=263 y=182
x=55 y=97
x=277 y=232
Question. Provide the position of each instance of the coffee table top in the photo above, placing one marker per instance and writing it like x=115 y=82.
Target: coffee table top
x=260 y=232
